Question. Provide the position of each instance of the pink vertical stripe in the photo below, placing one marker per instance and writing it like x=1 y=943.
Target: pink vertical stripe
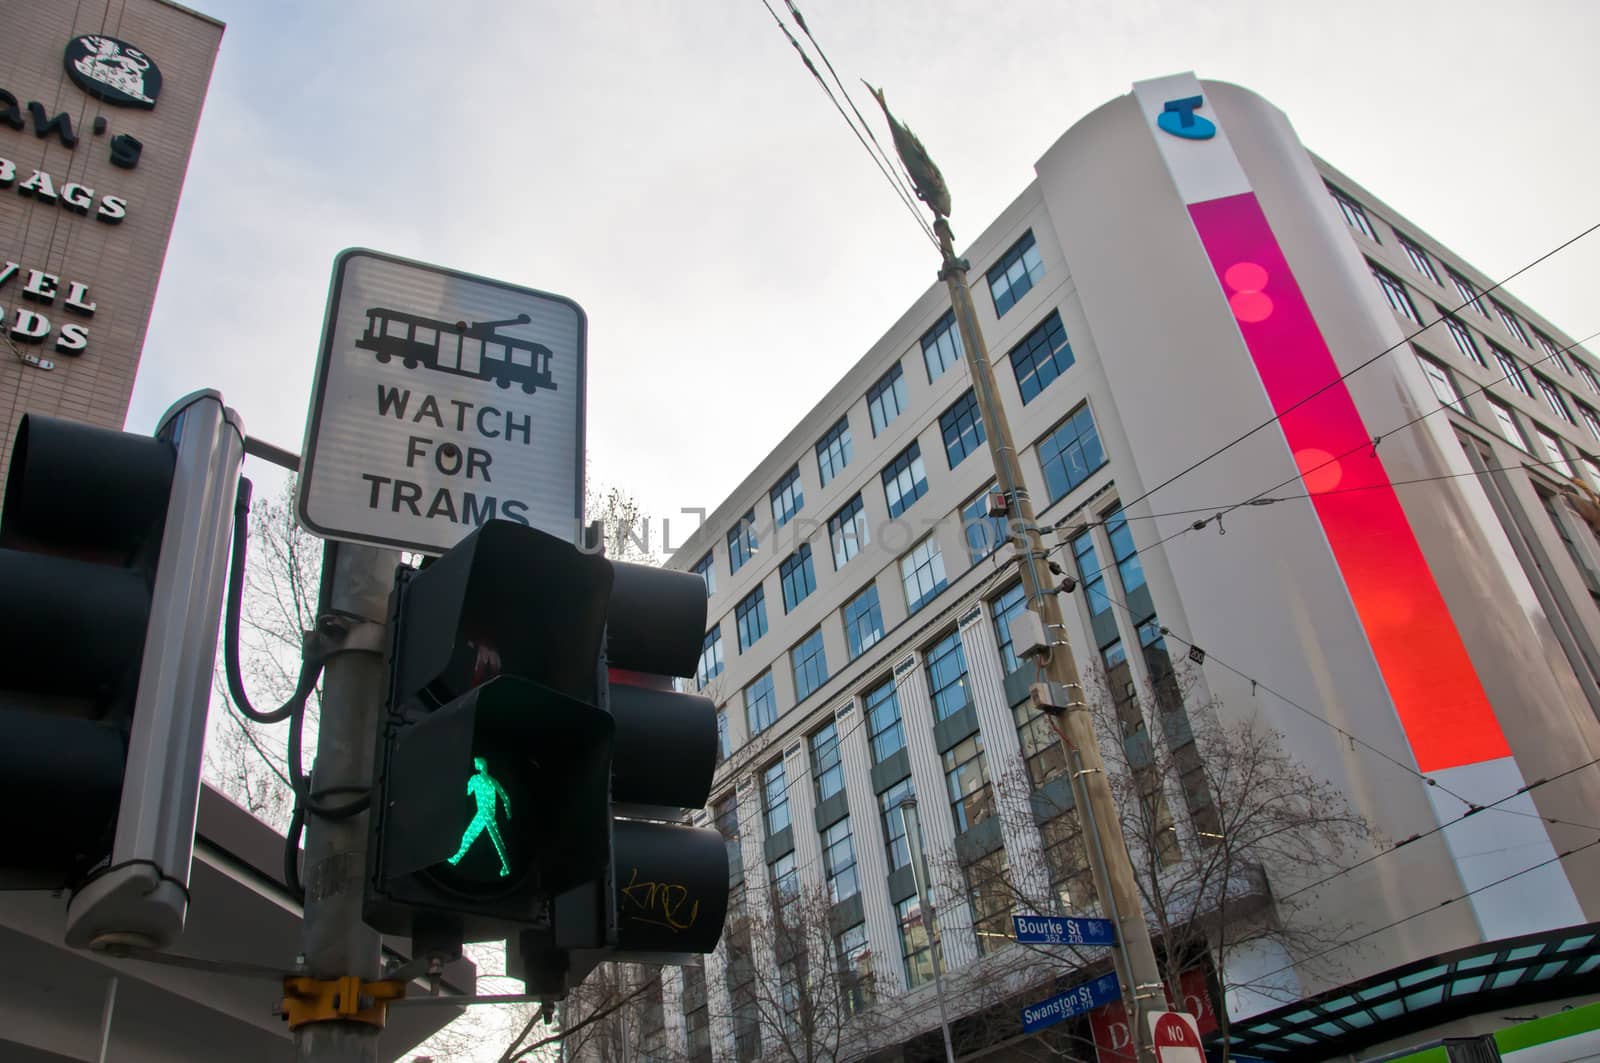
x=1441 y=702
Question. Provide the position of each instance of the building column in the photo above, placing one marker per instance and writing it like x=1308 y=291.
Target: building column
x=672 y=1011
x=872 y=864
x=719 y=1005
x=958 y=946
x=1008 y=774
x=803 y=816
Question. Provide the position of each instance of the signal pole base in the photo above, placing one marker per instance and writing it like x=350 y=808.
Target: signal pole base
x=348 y=999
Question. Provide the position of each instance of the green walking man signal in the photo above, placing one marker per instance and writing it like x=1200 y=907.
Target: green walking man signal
x=485 y=789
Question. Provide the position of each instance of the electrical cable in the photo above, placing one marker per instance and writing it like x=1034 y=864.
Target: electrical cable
x=291 y=854
x=1362 y=365
x=310 y=666
x=899 y=192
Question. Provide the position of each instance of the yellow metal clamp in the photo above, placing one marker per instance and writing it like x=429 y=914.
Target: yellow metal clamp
x=346 y=999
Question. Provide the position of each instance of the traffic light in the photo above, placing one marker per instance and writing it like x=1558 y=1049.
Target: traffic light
x=494 y=759
x=664 y=896
x=113 y=556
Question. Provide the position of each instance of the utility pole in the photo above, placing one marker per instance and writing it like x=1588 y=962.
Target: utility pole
x=337 y=944
x=1135 y=961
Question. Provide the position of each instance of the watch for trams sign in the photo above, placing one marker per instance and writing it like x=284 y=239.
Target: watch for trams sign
x=442 y=400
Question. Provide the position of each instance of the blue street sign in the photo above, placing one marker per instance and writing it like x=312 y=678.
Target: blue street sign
x=1056 y=930
x=1063 y=1006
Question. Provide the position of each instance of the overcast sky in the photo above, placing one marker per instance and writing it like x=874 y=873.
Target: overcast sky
x=675 y=170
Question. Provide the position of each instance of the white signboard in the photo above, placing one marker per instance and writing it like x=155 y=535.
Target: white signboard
x=442 y=400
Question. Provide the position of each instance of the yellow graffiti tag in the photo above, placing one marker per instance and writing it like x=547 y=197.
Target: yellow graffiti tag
x=664 y=904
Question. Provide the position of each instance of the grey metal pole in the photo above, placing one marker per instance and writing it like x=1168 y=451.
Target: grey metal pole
x=105 y=1019
x=356 y=585
x=919 y=877
x=1109 y=859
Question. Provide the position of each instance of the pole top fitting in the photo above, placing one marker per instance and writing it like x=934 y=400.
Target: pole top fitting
x=345 y=999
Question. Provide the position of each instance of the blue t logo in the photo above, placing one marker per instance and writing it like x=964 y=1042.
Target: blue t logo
x=1179 y=119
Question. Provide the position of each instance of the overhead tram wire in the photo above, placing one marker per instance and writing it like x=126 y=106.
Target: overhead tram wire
x=1371 y=444
x=887 y=171
x=1362 y=365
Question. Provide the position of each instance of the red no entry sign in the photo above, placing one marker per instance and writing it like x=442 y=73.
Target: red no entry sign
x=1177 y=1038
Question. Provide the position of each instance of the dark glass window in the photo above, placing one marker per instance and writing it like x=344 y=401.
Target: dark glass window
x=947 y=676
x=810 y=665
x=751 y=616
x=922 y=574
x=883 y=721
x=1354 y=216
x=905 y=480
x=833 y=451
x=775 y=798
x=941 y=346
x=1420 y=260
x=1014 y=276
x=742 y=541
x=710 y=657
x=894 y=825
x=966 y=776
x=847 y=532
x=886 y=398
x=985 y=534
x=1463 y=338
x=827 y=772
x=1005 y=609
x=839 y=861
x=1123 y=554
x=1070 y=453
x=1395 y=291
x=961 y=428
x=760 y=706
x=1043 y=355
x=706 y=569
x=863 y=621
x=797 y=576
x=786 y=497
x=1090 y=574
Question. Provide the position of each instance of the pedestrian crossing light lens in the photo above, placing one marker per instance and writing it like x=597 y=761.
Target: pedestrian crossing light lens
x=490 y=798
x=490 y=853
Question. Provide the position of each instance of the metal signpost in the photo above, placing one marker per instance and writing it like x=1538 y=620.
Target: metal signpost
x=442 y=400
x=1059 y=930
x=1073 y=1002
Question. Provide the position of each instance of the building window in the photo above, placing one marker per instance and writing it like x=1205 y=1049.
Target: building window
x=895 y=845
x=984 y=533
x=1590 y=419
x=1463 y=339
x=847 y=532
x=742 y=541
x=1513 y=372
x=827 y=772
x=1130 y=571
x=915 y=945
x=863 y=621
x=886 y=398
x=966 y=776
x=990 y=894
x=922 y=574
x=1042 y=751
x=839 y=861
x=1043 y=355
x=784 y=874
x=810 y=665
x=1507 y=425
x=1070 y=453
x=1119 y=684
x=1552 y=395
x=1158 y=663
x=706 y=569
x=787 y=498
x=833 y=451
x=1018 y=270
x=883 y=721
x=799 y=579
x=710 y=657
x=760 y=705
x=856 y=987
x=1469 y=294
x=905 y=480
x=724 y=743
x=1396 y=293
x=1090 y=574
x=947 y=676
x=1513 y=326
x=1420 y=260
x=751 y=616
x=1005 y=609
x=1439 y=379
x=1552 y=449
x=696 y=1015
x=1553 y=352
x=962 y=428
x=941 y=346
x=725 y=817
x=775 y=798
x=1071 y=878
x=1589 y=377
x=1354 y=216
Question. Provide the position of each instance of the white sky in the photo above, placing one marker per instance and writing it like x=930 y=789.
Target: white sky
x=674 y=169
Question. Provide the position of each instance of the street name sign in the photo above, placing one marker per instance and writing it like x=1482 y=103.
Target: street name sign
x=1063 y=1006
x=1177 y=1037
x=442 y=400
x=1059 y=930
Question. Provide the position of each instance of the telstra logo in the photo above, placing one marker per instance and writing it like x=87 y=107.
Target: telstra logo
x=1178 y=118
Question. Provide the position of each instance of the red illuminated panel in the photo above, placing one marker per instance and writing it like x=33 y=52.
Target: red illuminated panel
x=1436 y=691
